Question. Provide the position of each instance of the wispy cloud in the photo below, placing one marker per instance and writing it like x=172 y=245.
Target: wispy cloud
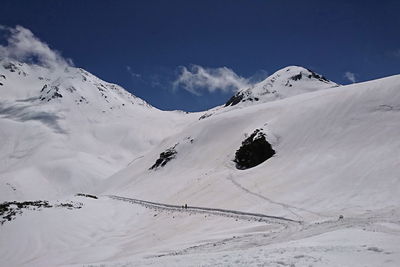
x=24 y=46
x=133 y=74
x=350 y=76
x=197 y=79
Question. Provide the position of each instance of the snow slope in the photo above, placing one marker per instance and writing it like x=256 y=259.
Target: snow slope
x=64 y=130
x=337 y=153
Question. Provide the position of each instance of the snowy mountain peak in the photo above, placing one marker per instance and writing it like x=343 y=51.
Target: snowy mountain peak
x=70 y=86
x=289 y=81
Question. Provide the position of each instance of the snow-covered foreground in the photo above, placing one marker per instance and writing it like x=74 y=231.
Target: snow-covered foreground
x=108 y=232
x=337 y=154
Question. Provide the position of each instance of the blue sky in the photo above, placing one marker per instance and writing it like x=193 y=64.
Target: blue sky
x=146 y=46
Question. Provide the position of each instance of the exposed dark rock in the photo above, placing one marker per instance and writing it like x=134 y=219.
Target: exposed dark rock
x=296 y=77
x=14 y=68
x=235 y=99
x=190 y=139
x=71 y=89
x=11 y=67
x=254 y=150
x=239 y=97
x=52 y=93
x=204 y=116
x=1 y=84
x=86 y=195
x=9 y=210
x=81 y=100
x=69 y=206
x=311 y=75
x=164 y=158
x=56 y=95
x=317 y=76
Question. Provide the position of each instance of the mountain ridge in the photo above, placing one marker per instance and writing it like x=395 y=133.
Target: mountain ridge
x=286 y=82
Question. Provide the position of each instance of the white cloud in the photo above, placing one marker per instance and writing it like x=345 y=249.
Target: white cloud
x=23 y=45
x=350 y=76
x=133 y=74
x=198 y=78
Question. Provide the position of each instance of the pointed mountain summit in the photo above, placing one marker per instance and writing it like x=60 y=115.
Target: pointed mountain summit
x=287 y=82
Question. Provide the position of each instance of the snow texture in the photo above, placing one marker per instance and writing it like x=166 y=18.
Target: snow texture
x=329 y=196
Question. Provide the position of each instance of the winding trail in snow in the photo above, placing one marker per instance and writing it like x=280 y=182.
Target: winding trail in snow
x=386 y=221
x=286 y=226
x=288 y=207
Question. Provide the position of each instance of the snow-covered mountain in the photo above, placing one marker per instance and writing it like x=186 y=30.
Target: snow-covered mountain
x=324 y=194
x=64 y=130
x=289 y=81
x=23 y=82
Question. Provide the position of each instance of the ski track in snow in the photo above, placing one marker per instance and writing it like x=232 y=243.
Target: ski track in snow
x=135 y=160
x=288 y=207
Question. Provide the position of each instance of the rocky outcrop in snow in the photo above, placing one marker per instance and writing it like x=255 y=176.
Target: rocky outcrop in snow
x=255 y=150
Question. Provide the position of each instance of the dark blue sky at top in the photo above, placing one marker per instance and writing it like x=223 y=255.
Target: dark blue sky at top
x=154 y=38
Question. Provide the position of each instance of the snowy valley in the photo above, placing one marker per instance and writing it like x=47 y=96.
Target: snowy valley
x=323 y=189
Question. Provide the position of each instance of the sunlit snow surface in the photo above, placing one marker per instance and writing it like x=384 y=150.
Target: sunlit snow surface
x=337 y=153
x=57 y=146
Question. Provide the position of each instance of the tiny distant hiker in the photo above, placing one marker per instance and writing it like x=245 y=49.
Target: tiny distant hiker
x=185 y=206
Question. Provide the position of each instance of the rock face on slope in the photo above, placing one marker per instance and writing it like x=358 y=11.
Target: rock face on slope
x=289 y=81
x=254 y=150
x=164 y=158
